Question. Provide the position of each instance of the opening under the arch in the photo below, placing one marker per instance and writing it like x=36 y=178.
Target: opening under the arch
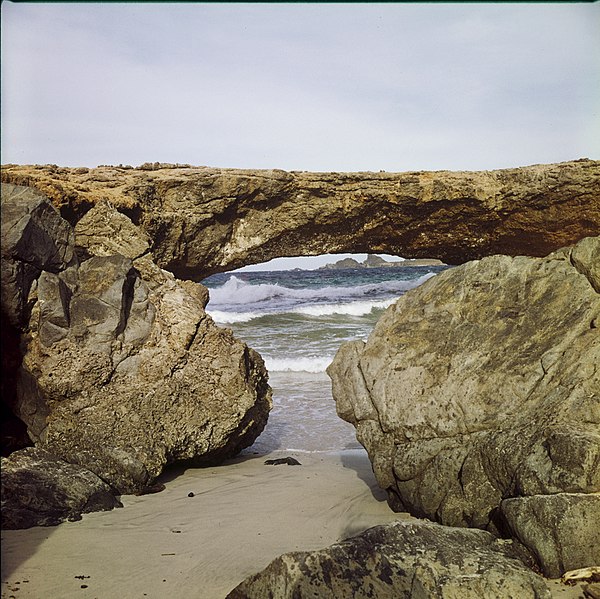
x=297 y=319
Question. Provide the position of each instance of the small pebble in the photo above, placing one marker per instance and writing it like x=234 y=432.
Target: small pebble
x=190 y=494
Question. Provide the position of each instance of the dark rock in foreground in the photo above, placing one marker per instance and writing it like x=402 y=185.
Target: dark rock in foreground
x=403 y=559
x=483 y=385
x=39 y=489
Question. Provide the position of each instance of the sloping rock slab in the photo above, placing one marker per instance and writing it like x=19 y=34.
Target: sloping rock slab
x=39 y=489
x=403 y=559
x=562 y=530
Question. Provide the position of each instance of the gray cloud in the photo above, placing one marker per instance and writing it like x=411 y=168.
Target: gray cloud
x=301 y=86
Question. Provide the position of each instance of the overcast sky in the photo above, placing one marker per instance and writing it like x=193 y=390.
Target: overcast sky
x=326 y=87
x=301 y=86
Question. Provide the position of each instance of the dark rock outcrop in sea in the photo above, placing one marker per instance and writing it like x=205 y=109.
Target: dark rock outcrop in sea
x=204 y=220
x=402 y=559
x=373 y=261
x=122 y=370
x=477 y=397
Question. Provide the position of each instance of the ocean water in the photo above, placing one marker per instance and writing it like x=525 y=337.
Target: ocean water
x=296 y=320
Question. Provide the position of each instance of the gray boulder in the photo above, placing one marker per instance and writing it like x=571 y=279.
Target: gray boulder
x=124 y=372
x=34 y=238
x=482 y=385
x=39 y=489
x=416 y=560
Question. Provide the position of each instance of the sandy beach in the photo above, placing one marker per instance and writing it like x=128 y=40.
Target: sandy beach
x=242 y=515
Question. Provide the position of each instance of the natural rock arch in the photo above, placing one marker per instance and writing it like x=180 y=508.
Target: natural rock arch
x=198 y=221
x=204 y=220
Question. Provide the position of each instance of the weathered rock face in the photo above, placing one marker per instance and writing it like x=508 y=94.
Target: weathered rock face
x=123 y=372
x=410 y=560
x=562 y=529
x=205 y=220
x=34 y=239
x=38 y=489
x=482 y=385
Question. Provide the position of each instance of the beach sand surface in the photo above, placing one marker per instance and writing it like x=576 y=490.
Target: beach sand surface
x=242 y=515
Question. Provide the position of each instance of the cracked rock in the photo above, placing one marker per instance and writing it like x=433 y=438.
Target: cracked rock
x=561 y=530
x=402 y=559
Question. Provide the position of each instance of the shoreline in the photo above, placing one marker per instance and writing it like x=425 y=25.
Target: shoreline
x=242 y=515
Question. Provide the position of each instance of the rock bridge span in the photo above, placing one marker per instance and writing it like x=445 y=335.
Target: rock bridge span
x=203 y=220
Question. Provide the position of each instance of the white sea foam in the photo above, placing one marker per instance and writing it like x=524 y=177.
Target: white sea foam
x=223 y=317
x=351 y=308
x=358 y=308
x=299 y=364
x=269 y=299
x=237 y=292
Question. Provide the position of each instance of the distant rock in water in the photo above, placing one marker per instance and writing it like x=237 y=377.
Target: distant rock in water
x=345 y=263
x=477 y=397
x=373 y=261
x=122 y=372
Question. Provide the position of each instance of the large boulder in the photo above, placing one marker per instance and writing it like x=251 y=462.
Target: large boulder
x=123 y=371
x=482 y=385
x=35 y=238
x=39 y=489
x=404 y=559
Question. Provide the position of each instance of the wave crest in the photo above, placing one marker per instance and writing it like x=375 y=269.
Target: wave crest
x=299 y=364
x=273 y=299
x=237 y=292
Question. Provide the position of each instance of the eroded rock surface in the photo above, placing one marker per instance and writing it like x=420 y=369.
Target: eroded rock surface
x=38 y=489
x=563 y=530
x=481 y=385
x=123 y=372
x=403 y=559
x=204 y=220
